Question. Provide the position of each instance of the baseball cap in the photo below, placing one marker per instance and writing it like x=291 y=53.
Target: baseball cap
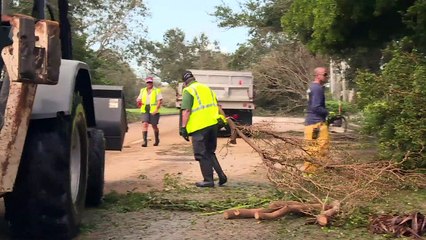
x=187 y=75
x=149 y=80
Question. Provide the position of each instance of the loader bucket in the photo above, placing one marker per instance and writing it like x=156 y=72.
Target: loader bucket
x=110 y=113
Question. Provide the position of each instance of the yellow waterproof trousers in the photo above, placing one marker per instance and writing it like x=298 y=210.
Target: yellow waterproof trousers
x=317 y=139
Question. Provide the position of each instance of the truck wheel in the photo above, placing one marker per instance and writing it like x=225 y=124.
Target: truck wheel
x=49 y=192
x=95 y=181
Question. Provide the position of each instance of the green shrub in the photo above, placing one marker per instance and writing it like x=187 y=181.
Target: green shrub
x=347 y=108
x=394 y=106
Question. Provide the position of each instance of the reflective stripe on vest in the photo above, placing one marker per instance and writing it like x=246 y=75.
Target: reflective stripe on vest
x=153 y=99
x=204 y=109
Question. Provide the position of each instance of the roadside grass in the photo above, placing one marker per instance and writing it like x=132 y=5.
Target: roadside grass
x=213 y=201
x=179 y=196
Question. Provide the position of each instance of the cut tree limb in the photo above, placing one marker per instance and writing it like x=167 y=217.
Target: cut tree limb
x=246 y=213
x=289 y=208
x=323 y=219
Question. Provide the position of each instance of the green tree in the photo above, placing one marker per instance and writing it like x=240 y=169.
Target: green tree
x=281 y=65
x=207 y=54
x=350 y=29
x=170 y=58
x=110 y=24
x=393 y=104
x=262 y=18
x=97 y=28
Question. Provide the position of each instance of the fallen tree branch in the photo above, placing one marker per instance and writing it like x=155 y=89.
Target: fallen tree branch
x=323 y=219
x=246 y=213
x=348 y=180
x=278 y=209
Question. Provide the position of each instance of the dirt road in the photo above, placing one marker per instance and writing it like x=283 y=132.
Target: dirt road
x=142 y=169
x=138 y=169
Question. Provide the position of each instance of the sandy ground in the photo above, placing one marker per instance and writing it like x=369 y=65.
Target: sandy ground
x=143 y=169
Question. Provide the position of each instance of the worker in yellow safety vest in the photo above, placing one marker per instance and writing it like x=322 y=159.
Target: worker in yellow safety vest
x=149 y=101
x=200 y=114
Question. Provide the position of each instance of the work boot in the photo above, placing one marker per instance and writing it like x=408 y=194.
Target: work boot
x=204 y=184
x=145 y=139
x=222 y=177
x=157 y=138
x=207 y=172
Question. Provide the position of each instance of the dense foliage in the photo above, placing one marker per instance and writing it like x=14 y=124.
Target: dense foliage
x=389 y=83
x=101 y=34
x=394 y=106
x=282 y=67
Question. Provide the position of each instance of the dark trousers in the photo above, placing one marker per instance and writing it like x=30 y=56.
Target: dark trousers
x=204 y=143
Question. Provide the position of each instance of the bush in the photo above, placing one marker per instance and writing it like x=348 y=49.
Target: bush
x=133 y=116
x=347 y=108
x=394 y=107
x=169 y=97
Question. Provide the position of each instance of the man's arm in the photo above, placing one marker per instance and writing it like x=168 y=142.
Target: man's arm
x=159 y=103
x=185 y=117
x=187 y=101
x=139 y=99
x=6 y=18
x=317 y=101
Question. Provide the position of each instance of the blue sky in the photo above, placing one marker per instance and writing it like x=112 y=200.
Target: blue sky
x=192 y=16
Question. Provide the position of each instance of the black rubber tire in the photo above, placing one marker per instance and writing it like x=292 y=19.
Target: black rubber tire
x=95 y=181
x=4 y=94
x=48 y=195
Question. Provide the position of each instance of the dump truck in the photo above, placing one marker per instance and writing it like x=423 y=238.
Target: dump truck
x=55 y=127
x=234 y=91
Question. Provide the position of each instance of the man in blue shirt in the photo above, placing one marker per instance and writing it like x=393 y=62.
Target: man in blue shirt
x=316 y=129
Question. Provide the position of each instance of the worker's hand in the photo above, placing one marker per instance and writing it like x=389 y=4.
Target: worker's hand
x=6 y=18
x=220 y=123
x=139 y=103
x=184 y=133
x=332 y=116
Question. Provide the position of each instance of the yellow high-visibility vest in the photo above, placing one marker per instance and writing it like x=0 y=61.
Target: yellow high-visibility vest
x=204 y=111
x=153 y=99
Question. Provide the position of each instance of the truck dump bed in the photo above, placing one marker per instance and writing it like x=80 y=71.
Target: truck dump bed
x=234 y=89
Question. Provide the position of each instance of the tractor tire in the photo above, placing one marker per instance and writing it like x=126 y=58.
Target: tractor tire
x=50 y=188
x=4 y=94
x=95 y=181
